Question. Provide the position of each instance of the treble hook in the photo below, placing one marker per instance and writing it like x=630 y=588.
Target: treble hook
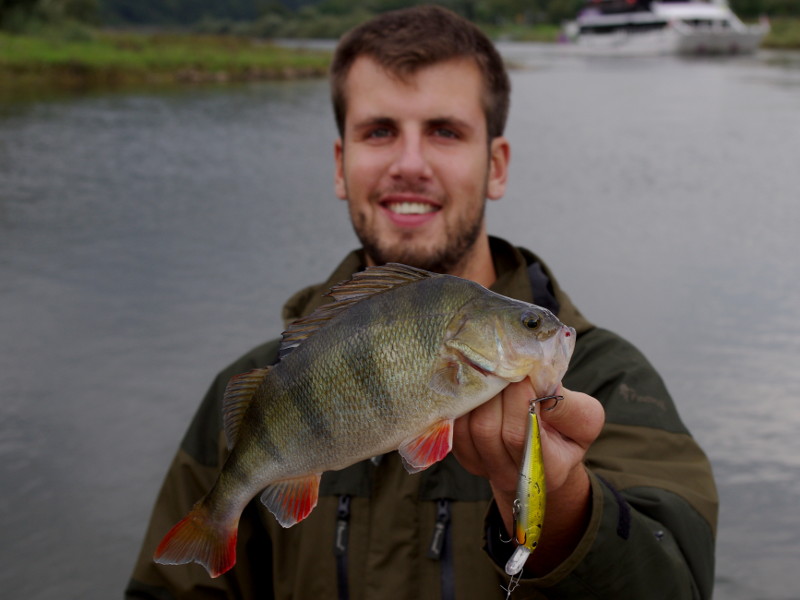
x=515 y=508
x=535 y=401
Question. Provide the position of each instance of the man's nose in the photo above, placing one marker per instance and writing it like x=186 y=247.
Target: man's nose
x=411 y=160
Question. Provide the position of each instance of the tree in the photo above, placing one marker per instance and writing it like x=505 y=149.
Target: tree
x=17 y=15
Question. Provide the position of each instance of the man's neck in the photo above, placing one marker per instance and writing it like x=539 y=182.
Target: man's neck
x=478 y=265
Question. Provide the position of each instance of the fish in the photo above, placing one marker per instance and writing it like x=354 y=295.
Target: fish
x=530 y=497
x=389 y=364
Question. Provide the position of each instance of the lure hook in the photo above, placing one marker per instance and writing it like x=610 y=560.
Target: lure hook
x=536 y=401
x=515 y=508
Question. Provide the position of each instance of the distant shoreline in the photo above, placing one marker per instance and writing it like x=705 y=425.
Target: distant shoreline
x=120 y=59
x=84 y=58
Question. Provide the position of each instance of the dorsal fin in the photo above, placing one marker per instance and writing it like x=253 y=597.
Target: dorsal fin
x=374 y=280
x=238 y=396
x=364 y=284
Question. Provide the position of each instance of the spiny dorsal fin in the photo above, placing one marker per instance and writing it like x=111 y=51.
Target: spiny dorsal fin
x=374 y=280
x=238 y=396
x=364 y=284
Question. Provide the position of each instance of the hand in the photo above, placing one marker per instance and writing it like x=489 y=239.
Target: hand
x=489 y=442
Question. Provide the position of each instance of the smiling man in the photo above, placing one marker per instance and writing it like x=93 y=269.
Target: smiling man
x=421 y=99
x=416 y=164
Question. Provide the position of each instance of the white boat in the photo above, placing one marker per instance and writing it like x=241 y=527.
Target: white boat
x=663 y=27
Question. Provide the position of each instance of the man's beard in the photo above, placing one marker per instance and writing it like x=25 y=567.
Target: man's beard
x=446 y=258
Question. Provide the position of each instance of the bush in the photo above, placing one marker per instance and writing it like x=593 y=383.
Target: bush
x=30 y=15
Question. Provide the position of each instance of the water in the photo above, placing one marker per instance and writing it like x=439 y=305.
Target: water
x=147 y=239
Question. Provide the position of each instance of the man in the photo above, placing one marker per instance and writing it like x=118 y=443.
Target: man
x=421 y=98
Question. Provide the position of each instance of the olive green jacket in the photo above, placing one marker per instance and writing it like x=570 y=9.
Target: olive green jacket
x=380 y=533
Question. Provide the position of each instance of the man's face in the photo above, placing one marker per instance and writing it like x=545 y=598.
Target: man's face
x=415 y=164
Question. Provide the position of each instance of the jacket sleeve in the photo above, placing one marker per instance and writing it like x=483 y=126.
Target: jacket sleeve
x=191 y=474
x=654 y=502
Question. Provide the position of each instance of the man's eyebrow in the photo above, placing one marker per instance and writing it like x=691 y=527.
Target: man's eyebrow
x=450 y=121
x=373 y=122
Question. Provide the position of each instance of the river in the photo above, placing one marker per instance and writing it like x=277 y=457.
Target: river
x=148 y=238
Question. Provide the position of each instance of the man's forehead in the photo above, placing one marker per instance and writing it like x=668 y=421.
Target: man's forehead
x=443 y=90
x=408 y=74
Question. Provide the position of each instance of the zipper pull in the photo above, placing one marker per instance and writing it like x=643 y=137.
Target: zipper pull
x=439 y=529
x=343 y=516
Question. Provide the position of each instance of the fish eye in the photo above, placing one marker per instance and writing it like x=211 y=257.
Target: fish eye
x=531 y=321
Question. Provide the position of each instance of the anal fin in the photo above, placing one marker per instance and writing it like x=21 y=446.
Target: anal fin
x=292 y=500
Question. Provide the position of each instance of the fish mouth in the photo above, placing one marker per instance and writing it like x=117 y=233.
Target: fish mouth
x=546 y=376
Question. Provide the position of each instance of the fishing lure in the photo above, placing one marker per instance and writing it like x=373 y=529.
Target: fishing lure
x=530 y=500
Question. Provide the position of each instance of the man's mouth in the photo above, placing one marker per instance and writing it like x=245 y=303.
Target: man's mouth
x=410 y=208
x=409 y=214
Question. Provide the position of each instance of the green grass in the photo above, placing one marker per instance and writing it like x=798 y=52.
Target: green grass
x=129 y=58
x=785 y=33
x=525 y=33
x=77 y=56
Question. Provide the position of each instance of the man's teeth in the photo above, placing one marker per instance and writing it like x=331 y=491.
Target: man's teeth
x=411 y=208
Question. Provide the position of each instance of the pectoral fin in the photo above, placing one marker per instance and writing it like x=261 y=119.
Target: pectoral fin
x=448 y=378
x=457 y=362
x=292 y=500
x=432 y=446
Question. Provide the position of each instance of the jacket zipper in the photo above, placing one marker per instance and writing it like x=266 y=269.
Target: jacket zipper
x=340 y=542
x=440 y=548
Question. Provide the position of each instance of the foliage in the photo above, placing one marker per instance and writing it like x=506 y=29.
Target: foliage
x=294 y=18
x=194 y=12
x=26 y=15
x=785 y=33
x=752 y=9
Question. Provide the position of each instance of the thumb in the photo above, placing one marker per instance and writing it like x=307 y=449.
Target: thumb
x=577 y=416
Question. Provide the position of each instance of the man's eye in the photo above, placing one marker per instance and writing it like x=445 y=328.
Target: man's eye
x=445 y=132
x=380 y=132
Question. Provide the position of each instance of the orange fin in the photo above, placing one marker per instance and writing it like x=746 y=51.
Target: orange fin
x=198 y=539
x=237 y=399
x=292 y=500
x=432 y=446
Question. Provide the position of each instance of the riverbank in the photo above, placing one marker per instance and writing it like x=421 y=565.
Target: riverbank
x=79 y=57
x=784 y=35
x=116 y=59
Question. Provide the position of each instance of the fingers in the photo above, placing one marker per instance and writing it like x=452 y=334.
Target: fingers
x=489 y=441
x=578 y=417
x=477 y=441
x=464 y=446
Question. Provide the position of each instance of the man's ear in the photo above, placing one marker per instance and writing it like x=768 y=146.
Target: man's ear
x=499 y=157
x=338 y=177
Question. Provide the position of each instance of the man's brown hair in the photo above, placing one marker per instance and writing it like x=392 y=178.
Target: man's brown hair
x=404 y=41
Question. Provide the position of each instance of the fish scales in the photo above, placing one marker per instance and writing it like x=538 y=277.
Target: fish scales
x=350 y=396
x=381 y=355
x=389 y=365
x=350 y=388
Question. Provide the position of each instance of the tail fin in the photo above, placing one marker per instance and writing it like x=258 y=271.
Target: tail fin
x=197 y=538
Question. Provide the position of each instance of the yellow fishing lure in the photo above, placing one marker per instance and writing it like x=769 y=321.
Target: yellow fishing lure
x=530 y=500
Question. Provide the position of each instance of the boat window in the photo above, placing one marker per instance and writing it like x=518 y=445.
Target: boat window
x=603 y=29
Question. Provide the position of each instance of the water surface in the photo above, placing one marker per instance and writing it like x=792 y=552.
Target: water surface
x=147 y=239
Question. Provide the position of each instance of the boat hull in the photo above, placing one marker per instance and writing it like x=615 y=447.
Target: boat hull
x=693 y=28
